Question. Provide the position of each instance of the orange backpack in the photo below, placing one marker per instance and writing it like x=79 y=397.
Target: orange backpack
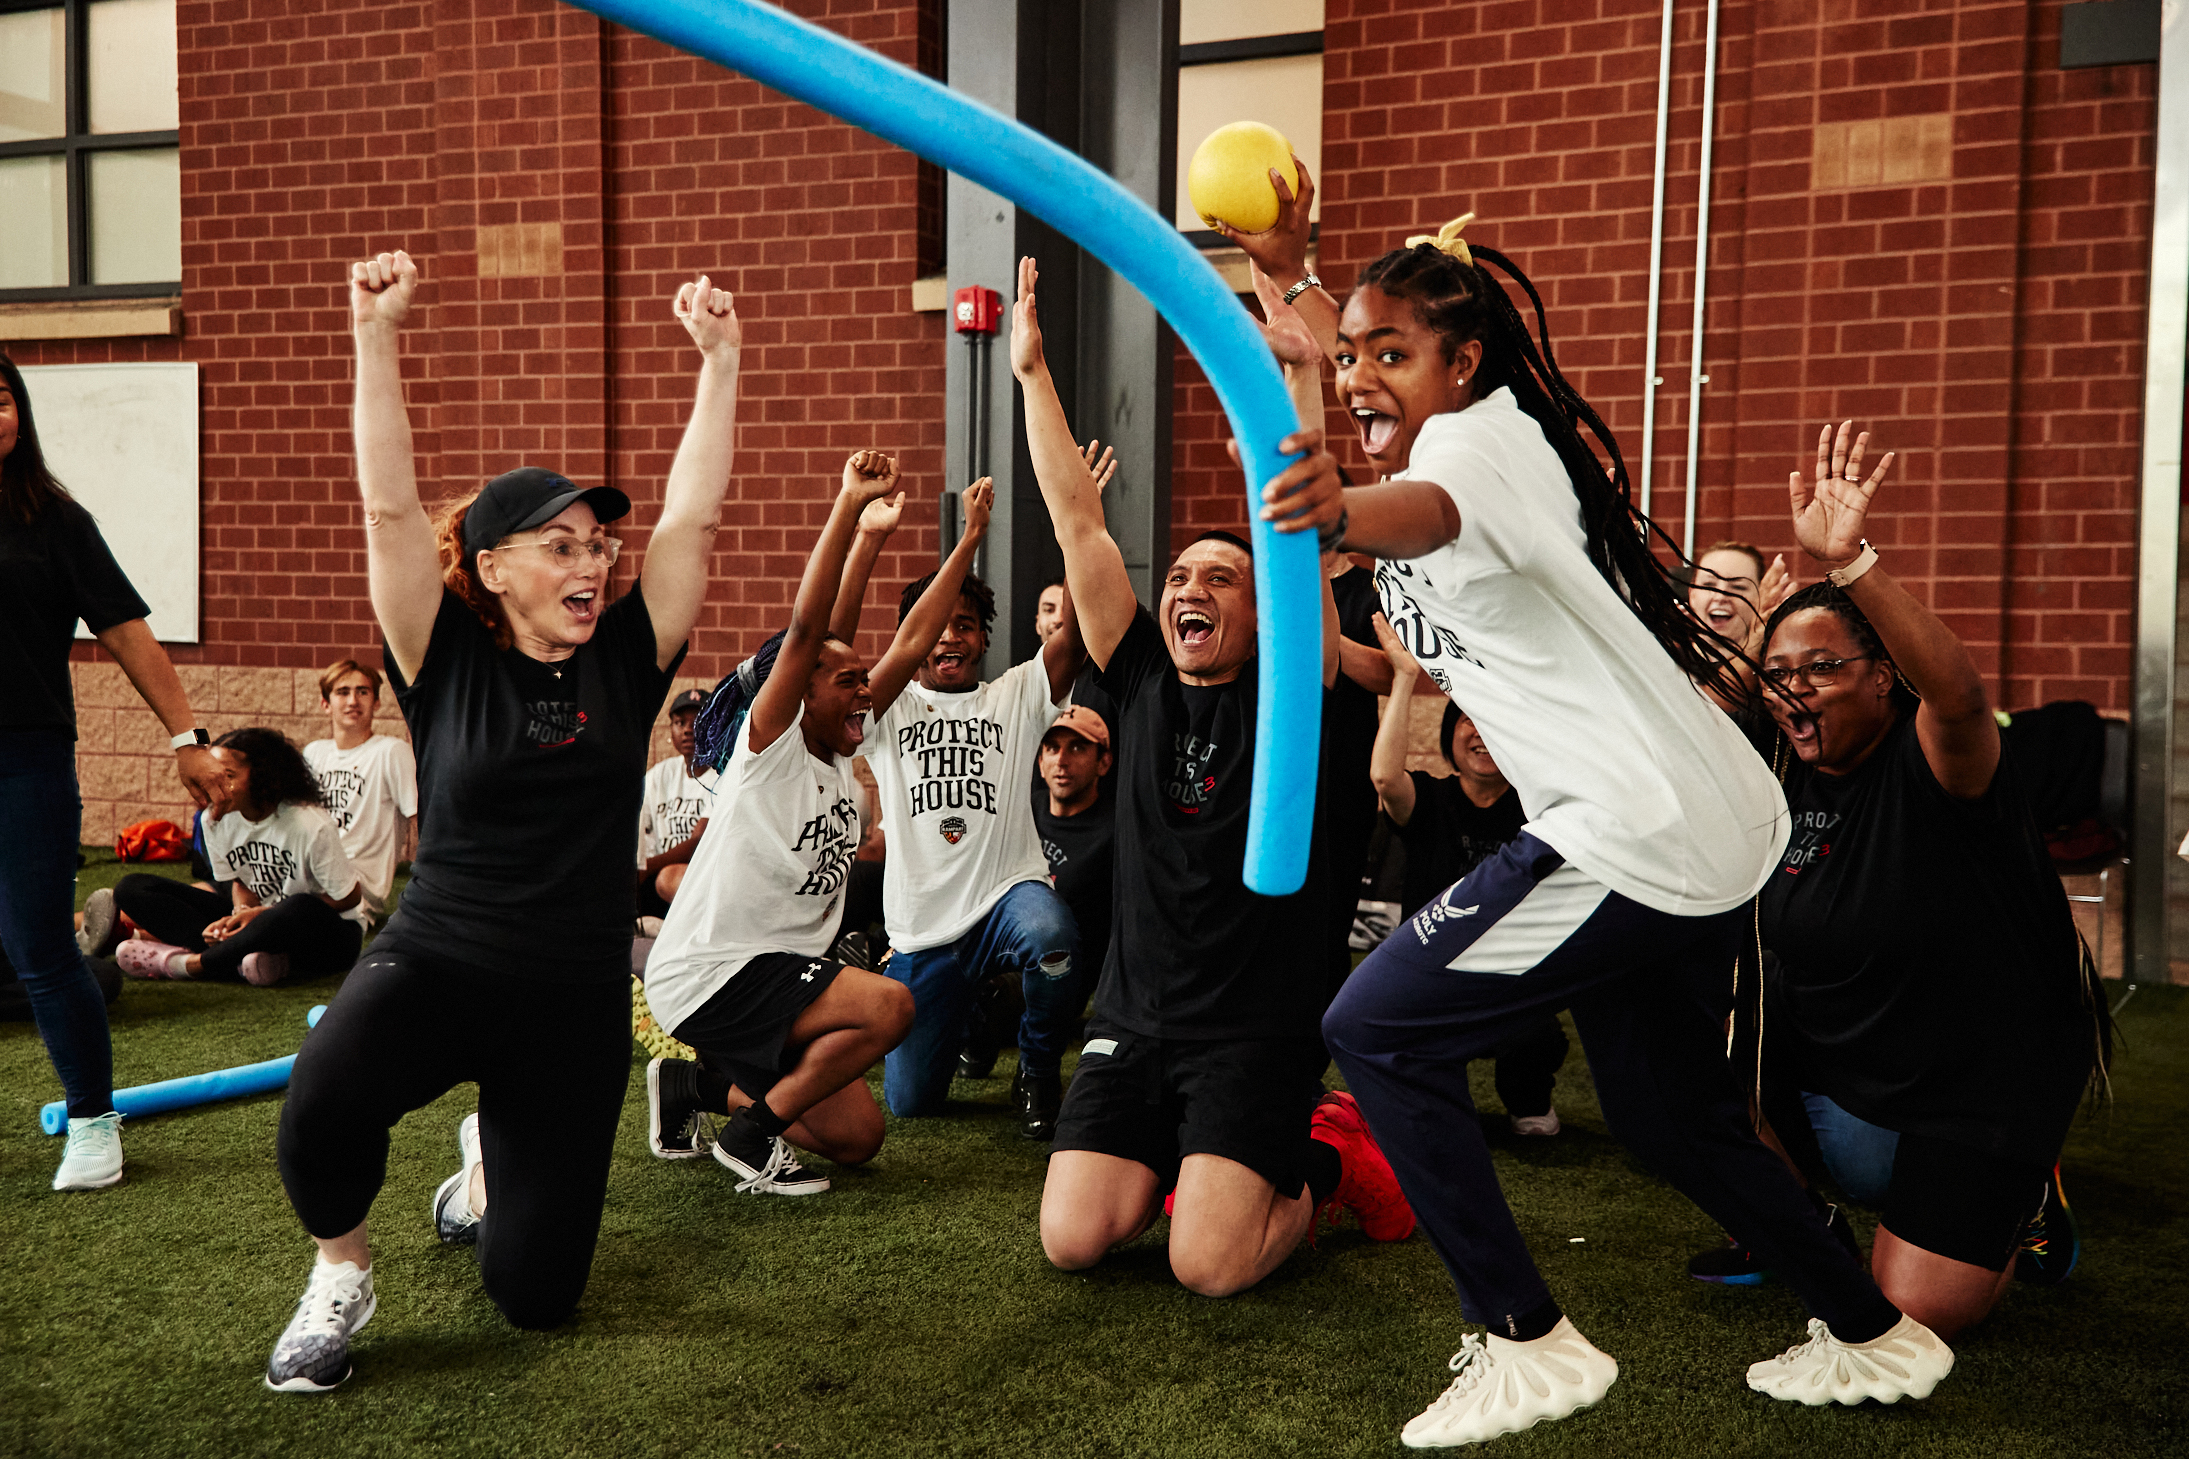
x=152 y=841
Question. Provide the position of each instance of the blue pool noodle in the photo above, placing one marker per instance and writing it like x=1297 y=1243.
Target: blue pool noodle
x=925 y=117
x=152 y=1099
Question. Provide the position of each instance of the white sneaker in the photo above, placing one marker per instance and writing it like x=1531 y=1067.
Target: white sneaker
x=1906 y=1362
x=453 y=1219
x=1543 y=1124
x=1505 y=1386
x=313 y=1354
x=93 y=1159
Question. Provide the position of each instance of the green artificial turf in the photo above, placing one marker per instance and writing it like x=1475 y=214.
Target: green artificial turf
x=909 y=1311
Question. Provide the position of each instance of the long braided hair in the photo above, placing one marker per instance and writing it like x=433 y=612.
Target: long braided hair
x=1455 y=295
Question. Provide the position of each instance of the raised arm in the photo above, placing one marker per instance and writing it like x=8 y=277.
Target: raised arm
x=876 y=523
x=675 y=573
x=402 y=564
x=1387 y=761
x=1280 y=251
x=1094 y=569
x=867 y=475
x=1960 y=738
x=924 y=624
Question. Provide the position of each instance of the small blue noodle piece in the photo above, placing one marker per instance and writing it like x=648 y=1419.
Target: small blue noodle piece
x=980 y=144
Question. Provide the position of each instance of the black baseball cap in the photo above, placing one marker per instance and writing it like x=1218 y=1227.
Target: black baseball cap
x=522 y=499
x=691 y=701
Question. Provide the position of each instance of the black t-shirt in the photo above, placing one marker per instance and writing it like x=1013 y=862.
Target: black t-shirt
x=1089 y=694
x=528 y=795
x=1928 y=975
x=1349 y=728
x=1448 y=835
x=1193 y=953
x=53 y=571
x=1081 y=865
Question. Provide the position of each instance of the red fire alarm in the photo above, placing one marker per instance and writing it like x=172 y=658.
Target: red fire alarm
x=978 y=310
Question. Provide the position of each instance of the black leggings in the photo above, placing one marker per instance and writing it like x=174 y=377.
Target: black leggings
x=551 y=1060
x=312 y=935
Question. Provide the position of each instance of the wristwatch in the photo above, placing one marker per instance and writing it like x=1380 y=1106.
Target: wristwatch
x=188 y=738
x=1309 y=282
x=1842 y=577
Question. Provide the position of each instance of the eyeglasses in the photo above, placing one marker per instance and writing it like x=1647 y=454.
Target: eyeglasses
x=1817 y=672
x=571 y=552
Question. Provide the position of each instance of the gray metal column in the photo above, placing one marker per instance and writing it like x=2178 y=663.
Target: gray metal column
x=1126 y=351
x=2158 y=554
x=1095 y=76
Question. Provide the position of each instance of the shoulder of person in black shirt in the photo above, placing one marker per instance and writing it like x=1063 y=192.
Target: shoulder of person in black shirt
x=1448 y=835
x=54 y=569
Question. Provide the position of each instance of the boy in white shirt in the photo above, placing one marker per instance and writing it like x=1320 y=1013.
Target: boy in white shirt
x=370 y=781
x=673 y=813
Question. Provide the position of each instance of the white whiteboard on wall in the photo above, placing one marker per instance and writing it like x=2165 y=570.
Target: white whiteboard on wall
x=124 y=440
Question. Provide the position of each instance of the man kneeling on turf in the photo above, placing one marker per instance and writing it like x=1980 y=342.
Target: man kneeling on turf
x=1202 y=1069
x=784 y=1033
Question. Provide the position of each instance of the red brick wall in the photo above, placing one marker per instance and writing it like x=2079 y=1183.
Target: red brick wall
x=557 y=179
x=1985 y=324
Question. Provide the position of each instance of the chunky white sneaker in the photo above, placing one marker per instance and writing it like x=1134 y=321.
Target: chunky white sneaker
x=1504 y=1386
x=453 y=1220
x=93 y=1157
x=313 y=1354
x=1906 y=1362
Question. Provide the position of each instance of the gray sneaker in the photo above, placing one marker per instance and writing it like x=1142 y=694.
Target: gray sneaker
x=453 y=1220
x=93 y=1159
x=313 y=1355
x=102 y=931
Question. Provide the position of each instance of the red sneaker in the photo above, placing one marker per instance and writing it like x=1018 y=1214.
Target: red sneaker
x=1367 y=1188
x=1170 y=1202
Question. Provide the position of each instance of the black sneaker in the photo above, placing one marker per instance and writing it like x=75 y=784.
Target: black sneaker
x=1037 y=1097
x=1734 y=1265
x=2051 y=1243
x=763 y=1163
x=675 y=1119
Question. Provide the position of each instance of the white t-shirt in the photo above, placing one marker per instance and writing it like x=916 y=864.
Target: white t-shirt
x=953 y=770
x=296 y=851
x=672 y=808
x=371 y=791
x=767 y=877
x=1622 y=765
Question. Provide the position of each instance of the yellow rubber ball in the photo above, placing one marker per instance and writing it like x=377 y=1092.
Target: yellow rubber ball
x=1228 y=179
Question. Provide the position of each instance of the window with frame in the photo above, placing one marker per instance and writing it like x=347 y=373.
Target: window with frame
x=90 y=155
x=1248 y=60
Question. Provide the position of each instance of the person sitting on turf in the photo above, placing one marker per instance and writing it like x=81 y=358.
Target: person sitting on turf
x=673 y=815
x=1449 y=826
x=784 y=1032
x=294 y=901
x=370 y=781
x=965 y=887
x=1201 y=1074
x=1076 y=819
x=1930 y=979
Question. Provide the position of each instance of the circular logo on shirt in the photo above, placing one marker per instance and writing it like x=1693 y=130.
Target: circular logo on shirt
x=953 y=829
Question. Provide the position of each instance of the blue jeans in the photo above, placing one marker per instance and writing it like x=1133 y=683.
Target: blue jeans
x=1858 y=1154
x=1029 y=931
x=42 y=814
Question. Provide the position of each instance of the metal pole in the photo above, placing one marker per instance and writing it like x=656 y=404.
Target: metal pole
x=1650 y=378
x=2158 y=548
x=1696 y=379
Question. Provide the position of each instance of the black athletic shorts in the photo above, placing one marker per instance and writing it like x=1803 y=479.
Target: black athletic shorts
x=1961 y=1203
x=649 y=899
x=740 y=1030
x=1157 y=1101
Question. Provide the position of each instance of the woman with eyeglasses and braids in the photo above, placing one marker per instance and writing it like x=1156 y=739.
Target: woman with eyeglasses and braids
x=1930 y=980
x=531 y=699
x=1518 y=573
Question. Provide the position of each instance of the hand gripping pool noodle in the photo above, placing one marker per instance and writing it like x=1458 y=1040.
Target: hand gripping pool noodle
x=152 y=1099
x=877 y=95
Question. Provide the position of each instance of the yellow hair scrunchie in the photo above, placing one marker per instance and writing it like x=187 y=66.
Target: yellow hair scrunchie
x=1447 y=239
